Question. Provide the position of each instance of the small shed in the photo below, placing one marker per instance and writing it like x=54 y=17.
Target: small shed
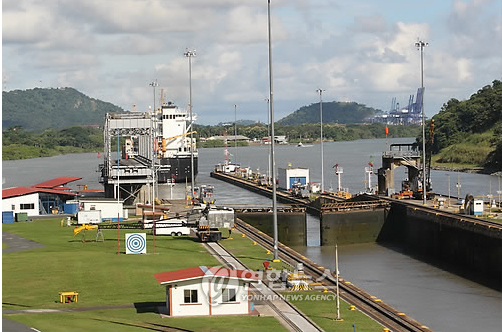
x=289 y=176
x=207 y=291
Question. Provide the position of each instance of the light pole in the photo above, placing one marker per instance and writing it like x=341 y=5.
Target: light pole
x=420 y=45
x=268 y=134
x=499 y=192
x=154 y=85
x=449 y=190
x=235 y=132
x=189 y=54
x=322 y=146
x=272 y=136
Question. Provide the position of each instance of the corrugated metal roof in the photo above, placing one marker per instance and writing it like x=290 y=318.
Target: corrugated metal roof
x=203 y=271
x=60 y=181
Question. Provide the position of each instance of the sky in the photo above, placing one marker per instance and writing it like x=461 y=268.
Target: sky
x=361 y=51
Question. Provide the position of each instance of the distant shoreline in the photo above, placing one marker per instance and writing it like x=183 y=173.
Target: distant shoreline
x=475 y=170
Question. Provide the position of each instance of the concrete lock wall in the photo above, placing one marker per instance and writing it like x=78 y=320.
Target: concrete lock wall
x=446 y=241
x=351 y=227
x=292 y=227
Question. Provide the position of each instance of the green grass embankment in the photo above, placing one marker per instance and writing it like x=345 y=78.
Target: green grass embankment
x=32 y=279
x=471 y=153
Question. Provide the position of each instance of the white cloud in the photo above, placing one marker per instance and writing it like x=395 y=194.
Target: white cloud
x=114 y=49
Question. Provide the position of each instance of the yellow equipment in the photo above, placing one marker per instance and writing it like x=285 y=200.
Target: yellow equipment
x=68 y=297
x=85 y=227
x=164 y=140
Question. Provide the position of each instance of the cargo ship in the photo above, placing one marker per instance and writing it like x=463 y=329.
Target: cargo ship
x=175 y=145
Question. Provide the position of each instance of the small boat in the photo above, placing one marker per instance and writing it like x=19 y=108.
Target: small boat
x=301 y=145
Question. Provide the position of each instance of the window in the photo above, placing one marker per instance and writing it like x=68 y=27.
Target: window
x=228 y=295
x=191 y=296
x=27 y=206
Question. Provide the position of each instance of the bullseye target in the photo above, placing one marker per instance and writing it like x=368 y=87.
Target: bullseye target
x=135 y=243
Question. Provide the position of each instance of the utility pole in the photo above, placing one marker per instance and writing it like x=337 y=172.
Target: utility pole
x=322 y=147
x=420 y=45
x=189 y=54
x=235 y=132
x=272 y=136
x=268 y=133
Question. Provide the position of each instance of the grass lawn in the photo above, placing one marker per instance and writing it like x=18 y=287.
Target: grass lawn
x=126 y=320
x=94 y=269
x=323 y=312
x=32 y=279
x=250 y=255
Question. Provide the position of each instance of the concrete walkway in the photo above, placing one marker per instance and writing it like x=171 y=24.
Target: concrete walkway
x=291 y=318
x=17 y=243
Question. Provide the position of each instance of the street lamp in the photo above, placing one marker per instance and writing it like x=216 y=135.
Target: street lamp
x=449 y=190
x=189 y=54
x=420 y=45
x=153 y=85
x=235 y=131
x=322 y=147
x=268 y=134
x=272 y=136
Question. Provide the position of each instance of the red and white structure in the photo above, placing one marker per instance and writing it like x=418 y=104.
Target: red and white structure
x=207 y=291
x=48 y=196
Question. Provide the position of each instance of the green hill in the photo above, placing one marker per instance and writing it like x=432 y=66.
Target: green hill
x=470 y=131
x=332 y=112
x=38 y=109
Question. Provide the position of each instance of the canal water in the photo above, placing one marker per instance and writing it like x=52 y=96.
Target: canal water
x=436 y=298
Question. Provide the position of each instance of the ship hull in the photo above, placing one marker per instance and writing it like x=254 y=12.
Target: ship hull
x=180 y=171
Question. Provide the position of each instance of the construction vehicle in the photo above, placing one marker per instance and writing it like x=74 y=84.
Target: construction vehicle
x=405 y=193
x=300 y=190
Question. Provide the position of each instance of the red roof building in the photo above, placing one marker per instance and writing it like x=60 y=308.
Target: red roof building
x=203 y=290
x=46 y=197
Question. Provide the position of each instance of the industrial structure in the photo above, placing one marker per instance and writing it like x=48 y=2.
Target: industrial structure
x=409 y=115
x=407 y=155
x=142 y=149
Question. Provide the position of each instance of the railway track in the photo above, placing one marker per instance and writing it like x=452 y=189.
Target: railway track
x=370 y=305
x=291 y=316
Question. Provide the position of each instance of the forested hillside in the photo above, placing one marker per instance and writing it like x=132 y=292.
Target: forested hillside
x=18 y=143
x=332 y=112
x=312 y=132
x=38 y=109
x=470 y=131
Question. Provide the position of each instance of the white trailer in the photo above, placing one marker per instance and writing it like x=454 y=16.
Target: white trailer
x=171 y=226
x=110 y=208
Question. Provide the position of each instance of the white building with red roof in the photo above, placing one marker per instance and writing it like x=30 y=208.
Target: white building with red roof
x=207 y=291
x=42 y=198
